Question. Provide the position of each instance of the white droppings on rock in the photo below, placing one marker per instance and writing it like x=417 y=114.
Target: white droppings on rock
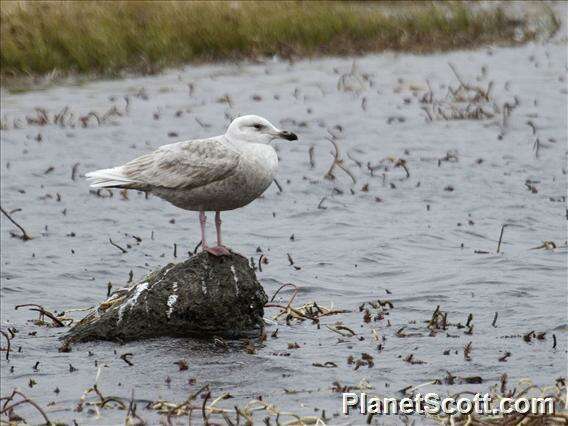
x=203 y=287
x=234 y=274
x=172 y=299
x=236 y=279
x=132 y=300
x=165 y=273
x=171 y=302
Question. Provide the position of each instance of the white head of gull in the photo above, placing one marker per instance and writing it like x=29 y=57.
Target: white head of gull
x=216 y=174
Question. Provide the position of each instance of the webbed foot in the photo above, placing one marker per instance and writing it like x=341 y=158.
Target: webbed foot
x=218 y=251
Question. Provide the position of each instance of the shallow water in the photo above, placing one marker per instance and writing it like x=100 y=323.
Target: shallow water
x=419 y=242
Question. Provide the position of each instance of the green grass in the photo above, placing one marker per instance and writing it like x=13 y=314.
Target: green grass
x=106 y=38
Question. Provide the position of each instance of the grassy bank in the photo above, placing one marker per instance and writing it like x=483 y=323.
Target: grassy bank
x=106 y=38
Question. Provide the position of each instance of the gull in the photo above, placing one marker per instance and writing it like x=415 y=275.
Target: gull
x=220 y=173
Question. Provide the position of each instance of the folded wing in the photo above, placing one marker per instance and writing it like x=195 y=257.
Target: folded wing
x=182 y=165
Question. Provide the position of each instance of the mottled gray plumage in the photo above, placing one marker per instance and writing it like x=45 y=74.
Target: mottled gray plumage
x=184 y=165
x=215 y=174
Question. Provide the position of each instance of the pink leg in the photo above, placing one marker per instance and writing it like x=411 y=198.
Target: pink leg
x=219 y=250
x=218 y=227
x=202 y=221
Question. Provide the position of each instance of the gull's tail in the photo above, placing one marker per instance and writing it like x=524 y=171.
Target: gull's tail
x=109 y=178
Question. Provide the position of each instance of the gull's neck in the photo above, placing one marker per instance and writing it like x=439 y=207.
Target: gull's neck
x=237 y=144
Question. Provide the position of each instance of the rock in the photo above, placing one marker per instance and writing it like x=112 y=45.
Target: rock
x=202 y=296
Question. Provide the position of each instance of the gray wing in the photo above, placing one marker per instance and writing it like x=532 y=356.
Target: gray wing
x=184 y=165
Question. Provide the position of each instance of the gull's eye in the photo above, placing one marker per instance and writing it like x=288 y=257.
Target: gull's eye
x=258 y=126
